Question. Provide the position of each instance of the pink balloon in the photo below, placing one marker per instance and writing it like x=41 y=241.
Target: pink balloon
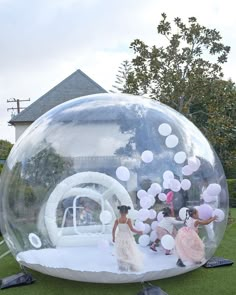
x=170 y=196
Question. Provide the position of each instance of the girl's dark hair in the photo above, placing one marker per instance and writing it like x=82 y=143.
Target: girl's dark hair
x=166 y=212
x=123 y=208
x=189 y=213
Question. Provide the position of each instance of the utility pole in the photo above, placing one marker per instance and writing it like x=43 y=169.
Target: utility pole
x=17 y=101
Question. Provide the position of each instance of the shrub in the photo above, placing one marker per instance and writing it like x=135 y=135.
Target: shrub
x=232 y=188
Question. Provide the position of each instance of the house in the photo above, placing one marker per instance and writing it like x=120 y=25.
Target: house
x=76 y=85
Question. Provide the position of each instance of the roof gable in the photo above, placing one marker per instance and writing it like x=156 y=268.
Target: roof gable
x=76 y=85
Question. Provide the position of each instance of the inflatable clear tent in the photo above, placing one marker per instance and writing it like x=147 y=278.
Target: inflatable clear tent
x=66 y=175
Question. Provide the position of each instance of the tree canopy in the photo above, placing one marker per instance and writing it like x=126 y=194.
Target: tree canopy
x=5 y=148
x=186 y=74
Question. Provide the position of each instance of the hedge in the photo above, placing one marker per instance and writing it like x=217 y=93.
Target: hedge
x=232 y=188
x=1 y=167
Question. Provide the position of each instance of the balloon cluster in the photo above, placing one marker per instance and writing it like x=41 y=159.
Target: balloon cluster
x=147 y=199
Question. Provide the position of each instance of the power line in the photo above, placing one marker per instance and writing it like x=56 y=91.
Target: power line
x=17 y=101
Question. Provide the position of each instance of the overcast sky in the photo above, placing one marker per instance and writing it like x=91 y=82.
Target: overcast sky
x=44 y=41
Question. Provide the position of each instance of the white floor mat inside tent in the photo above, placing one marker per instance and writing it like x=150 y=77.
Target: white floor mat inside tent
x=99 y=265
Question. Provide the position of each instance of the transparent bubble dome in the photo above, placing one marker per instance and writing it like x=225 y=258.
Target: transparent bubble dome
x=66 y=175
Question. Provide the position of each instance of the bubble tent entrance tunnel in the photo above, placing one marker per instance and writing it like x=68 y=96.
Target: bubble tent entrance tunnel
x=68 y=172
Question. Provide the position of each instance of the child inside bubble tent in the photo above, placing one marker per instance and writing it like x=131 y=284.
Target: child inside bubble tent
x=188 y=244
x=166 y=226
x=129 y=257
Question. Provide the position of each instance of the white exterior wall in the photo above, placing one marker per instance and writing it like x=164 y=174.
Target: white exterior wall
x=20 y=128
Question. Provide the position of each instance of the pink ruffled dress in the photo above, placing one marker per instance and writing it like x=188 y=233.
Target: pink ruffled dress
x=129 y=257
x=189 y=246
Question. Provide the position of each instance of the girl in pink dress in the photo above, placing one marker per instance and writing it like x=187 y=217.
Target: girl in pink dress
x=188 y=244
x=128 y=256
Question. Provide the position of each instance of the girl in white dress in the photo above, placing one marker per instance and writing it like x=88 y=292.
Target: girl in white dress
x=129 y=258
x=166 y=227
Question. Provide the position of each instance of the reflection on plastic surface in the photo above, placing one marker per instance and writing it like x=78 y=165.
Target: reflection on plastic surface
x=66 y=175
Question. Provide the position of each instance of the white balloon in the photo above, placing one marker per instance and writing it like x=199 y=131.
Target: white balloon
x=168 y=242
x=144 y=240
x=182 y=213
x=220 y=215
x=146 y=202
x=172 y=141
x=123 y=173
x=194 y=163
x=180 y=157
x=213 y=189
x=162 y=197
x=147 y=228
x=154 y=225
x=152 y=200
x=186 y=170
x=166 y=184
x=164 y=129
x=205 y=211
x=208 y=198
x=147 y=156
x=151 y=191
x=160 y=216
x=175 y=185
x=152 y=214
x=167 y=175
x=133 y=214
x=143 y=214
x=153 y=236
x=185 y=184
x=105 y=217
x=139 y=225
x=156 y=187
x=141 y=193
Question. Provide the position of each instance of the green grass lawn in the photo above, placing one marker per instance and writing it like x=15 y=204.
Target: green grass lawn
x=202 y=281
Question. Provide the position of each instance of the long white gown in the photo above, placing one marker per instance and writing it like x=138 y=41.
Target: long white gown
x=129 y=257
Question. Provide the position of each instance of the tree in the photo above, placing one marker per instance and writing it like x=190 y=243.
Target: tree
x=47 y=168
x=220 y=126
x=173 y=74
x=5 y=148
x=29 y=181
x=124 y=71
x=187 y=75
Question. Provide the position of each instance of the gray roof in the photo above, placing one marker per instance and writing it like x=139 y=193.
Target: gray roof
x=76 y=85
